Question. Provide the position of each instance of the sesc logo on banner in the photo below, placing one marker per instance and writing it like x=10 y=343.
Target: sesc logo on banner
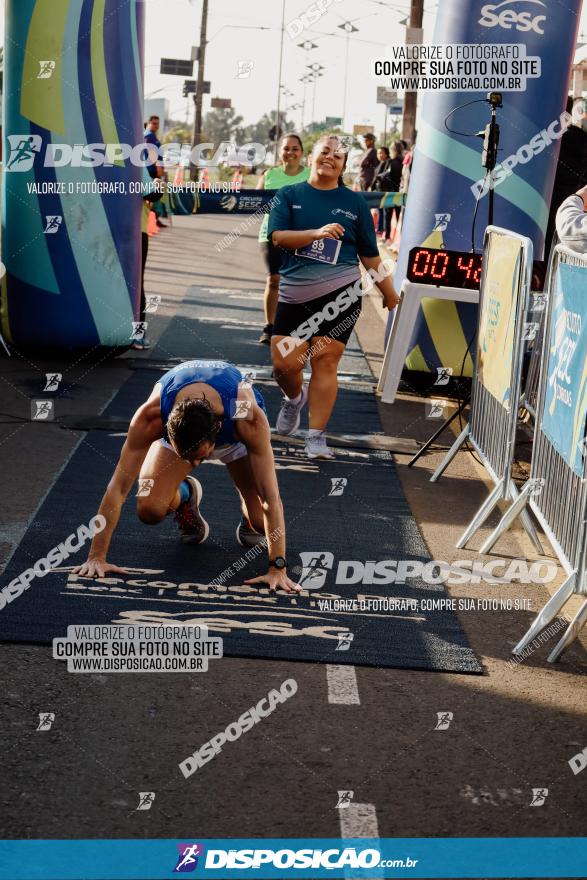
x=508 y=15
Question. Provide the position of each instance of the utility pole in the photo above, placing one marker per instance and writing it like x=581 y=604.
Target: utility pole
x=199 y=97
x=278 y=114
x=411 y=98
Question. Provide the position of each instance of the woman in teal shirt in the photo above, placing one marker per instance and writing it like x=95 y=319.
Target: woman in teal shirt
x=326 y=232
x=290 y=171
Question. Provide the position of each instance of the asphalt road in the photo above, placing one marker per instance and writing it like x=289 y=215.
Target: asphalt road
x=368 y=731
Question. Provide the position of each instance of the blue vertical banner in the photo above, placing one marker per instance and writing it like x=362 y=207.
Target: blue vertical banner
x=565 y=404
x=71 y=239
x=447 y=165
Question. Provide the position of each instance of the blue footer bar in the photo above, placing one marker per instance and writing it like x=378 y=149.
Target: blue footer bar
x=225 y=859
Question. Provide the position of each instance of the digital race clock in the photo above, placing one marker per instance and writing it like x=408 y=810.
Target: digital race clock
x=443 y=268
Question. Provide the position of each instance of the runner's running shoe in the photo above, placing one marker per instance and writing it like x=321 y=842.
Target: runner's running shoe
x=140 y=343
x=265 y=337
x=316 y=446
x=288 y=420
x=246 y=534
x=193 y=528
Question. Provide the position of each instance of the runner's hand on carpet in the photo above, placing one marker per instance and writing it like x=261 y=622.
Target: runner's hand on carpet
x=277 y=580
x=98 y=568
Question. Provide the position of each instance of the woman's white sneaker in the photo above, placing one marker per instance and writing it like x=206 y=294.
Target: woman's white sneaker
x=316 y=446
x=288 y=420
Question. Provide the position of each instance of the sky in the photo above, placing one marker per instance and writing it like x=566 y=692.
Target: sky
x=250 y=33
x=235 y=34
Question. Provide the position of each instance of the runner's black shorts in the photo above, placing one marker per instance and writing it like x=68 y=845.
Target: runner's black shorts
x=272 y=257
x=290 y=317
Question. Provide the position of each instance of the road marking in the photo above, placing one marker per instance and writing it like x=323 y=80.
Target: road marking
x=358 y=820
x=342 y=685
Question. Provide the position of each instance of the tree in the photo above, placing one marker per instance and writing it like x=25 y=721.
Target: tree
x=258 y=133
x=177 y=133
x=223 y=125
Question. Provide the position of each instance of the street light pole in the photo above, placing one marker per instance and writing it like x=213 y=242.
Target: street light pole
x=411 y=98
x=277 y=127
x=349 y=29
x=307 y=45
x=346 y=77
x=199 y=97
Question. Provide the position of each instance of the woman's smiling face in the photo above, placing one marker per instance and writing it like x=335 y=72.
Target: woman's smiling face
x=291 y=151
x=328 y=158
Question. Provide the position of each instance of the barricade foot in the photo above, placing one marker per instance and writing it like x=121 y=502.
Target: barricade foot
x=450 y=454
x=571 y=633
x=507 y=519
x=550 y=610
x=526 y=521
x=480 y=516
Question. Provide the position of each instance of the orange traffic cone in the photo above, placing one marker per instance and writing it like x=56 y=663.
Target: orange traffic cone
x=178 y=179
x=400 y=223
x=152 y=227
x=205 y=184
x=394 y=227
x=237 y=179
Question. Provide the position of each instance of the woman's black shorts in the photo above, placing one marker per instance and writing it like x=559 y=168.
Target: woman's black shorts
x=339 y=326
x=272 y=257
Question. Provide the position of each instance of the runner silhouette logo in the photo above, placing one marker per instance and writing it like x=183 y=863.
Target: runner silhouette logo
x=316 y=565
x=187 y=861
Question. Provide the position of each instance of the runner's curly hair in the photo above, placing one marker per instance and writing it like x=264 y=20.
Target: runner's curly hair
x=192 y=422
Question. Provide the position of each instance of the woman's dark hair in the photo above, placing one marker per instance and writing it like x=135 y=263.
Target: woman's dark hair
x=191 y=423
x=385 y=150
x=292 y=134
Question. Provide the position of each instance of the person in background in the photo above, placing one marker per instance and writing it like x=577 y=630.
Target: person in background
x=379 y=183
x=140 y=341
x=151 y=131
x=369 y=162
x=389 y=181
x=290 y=171
x=408 y=157
x=326 y=231
x=571 y=169
x=155 y=170
x=571 y=222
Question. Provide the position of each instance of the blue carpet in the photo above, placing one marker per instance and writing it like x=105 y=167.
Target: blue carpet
x=371 y=521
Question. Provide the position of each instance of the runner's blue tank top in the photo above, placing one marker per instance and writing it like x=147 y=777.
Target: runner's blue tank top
x=221 y=376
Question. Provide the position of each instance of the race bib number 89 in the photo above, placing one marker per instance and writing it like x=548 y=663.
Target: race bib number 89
x=325 y=250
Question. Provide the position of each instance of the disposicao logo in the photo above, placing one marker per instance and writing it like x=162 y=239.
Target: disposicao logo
x=187 y=861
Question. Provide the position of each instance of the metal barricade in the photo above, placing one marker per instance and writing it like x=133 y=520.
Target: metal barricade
x=530 y=394
x=556 y=491
x=495 y=387
x=536 y=326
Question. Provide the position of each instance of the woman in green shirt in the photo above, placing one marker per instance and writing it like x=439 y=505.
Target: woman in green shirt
x=290 y=171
